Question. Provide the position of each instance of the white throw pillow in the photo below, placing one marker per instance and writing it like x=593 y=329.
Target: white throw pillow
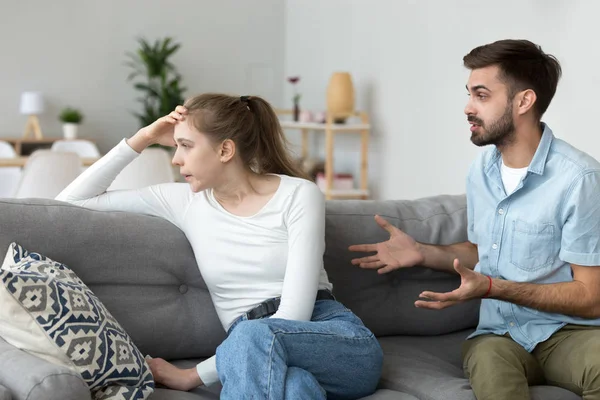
x=49 y=312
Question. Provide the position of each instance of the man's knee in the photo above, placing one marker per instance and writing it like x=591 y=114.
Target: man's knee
x=573 y=362
x=489 y=351
x=591 y=363
x=591 y=375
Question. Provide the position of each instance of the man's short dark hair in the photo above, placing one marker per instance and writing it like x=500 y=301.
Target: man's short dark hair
x=523 y=65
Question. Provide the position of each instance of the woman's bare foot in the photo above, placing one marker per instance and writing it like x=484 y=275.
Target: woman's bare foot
x=172 y=377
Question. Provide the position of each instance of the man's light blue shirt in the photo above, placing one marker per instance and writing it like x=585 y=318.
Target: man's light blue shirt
x=550 y=221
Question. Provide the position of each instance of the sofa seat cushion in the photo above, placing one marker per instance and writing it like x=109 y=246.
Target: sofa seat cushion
x=4 y=393
x=387 y=394
x=49 y=312
x=25 y=376
x=430 y=368
x=169 y=394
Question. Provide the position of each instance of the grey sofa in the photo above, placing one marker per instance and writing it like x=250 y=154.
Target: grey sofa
x=143 y=269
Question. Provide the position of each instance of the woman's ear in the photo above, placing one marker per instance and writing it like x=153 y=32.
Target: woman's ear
x=227 y=150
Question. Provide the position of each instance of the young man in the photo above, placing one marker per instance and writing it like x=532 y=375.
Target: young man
x=533 y=246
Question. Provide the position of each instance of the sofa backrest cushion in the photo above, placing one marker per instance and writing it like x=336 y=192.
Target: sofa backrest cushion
x=144 y=271
x=385 y=302
x=142 y=268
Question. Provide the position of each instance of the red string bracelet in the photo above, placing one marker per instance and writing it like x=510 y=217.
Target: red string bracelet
x=489 y=288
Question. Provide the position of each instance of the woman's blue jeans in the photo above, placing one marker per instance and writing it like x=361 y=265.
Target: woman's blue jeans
x=333 y=356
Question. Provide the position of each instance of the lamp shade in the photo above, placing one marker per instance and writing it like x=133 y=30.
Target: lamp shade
x=32 y=103
x=340 y=95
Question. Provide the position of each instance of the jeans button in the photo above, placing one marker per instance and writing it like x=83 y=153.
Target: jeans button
x=183 y=289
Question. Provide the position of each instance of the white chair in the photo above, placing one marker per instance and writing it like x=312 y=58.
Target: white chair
x=84 y=148
x=9 y=176
x=151 y=167
x=47 y=173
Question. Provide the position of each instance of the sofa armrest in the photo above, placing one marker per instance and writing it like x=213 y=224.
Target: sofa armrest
x=29 y=377
x=5 y=393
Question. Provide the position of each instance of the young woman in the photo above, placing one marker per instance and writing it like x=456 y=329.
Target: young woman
x=257 y=231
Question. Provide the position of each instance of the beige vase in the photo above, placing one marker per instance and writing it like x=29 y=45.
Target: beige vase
x=340 y=96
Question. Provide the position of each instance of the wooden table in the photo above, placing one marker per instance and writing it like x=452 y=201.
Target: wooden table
x=24 y=147
x=21 y=161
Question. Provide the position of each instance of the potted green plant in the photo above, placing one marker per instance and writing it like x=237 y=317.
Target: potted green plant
x=157 y=79
x=71 y=118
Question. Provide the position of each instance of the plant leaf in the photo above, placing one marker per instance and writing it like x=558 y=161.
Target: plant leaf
x=161 y=91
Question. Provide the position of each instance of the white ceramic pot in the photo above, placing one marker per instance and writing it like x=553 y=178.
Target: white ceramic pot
x=70 y=131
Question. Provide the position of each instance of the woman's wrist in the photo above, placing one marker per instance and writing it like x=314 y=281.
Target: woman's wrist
x=194 y=378
x=139 y=141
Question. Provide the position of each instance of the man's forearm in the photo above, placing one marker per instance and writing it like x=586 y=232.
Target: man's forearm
x=442 y=257
x=567 y=298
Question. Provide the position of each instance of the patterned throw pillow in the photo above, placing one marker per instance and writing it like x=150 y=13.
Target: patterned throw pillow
x=48 y=311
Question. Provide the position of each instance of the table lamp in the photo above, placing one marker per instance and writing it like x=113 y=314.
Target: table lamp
x=32 y=104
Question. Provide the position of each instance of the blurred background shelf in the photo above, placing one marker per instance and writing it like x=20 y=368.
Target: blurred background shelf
x=330 y=129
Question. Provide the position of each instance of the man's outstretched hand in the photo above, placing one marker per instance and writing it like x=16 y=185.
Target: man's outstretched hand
x=400 y=251
x=473 y=285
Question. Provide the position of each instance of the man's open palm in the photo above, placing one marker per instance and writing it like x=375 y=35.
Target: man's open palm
x=399 y=251
x=473 y=285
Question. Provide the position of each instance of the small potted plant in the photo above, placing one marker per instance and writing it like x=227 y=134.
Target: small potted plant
x=71 y=118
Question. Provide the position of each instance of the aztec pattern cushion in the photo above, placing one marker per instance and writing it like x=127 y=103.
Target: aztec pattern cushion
x=48 y=311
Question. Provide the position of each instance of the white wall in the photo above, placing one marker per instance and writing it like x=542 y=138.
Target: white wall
x=73 y=51
x=406 y=60
x=405 y=57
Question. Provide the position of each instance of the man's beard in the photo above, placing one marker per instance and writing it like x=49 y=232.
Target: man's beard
x=500 y=132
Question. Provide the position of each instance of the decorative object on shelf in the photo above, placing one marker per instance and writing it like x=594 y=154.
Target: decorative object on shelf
x=32 y=104
x=340 y=96
x=320 y=117
x=340 y=181
x=306 y=116
x=71 y=118
x=294 y=80
x=161 y=83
